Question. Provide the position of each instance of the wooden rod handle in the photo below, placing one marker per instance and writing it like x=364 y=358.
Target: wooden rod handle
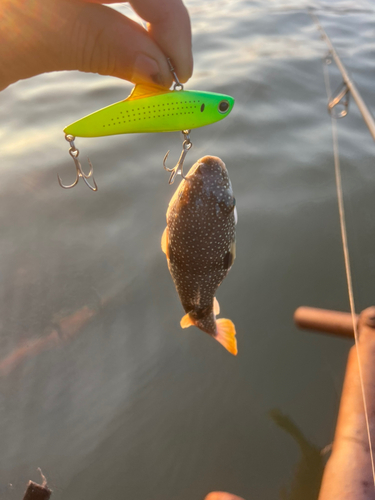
x=324 y=320
x=348 y=473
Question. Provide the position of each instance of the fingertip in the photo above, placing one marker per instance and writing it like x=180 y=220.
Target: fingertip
x=183 y=50
x=168 y=24
x=165 y=72
x=185 y=72
x=183 y=68
x=146 y=69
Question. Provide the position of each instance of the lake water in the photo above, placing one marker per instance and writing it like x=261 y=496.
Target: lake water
x=99 y=386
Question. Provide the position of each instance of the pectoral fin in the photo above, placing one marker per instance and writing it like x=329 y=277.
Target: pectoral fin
x=164 y=242
x=235 y=211
x=226 y=335
x=186 y=321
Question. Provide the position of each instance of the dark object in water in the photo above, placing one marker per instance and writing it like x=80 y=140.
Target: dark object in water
x=309 y=471
x=37 y=492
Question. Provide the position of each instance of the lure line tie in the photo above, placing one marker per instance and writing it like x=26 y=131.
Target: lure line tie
x=177 y=85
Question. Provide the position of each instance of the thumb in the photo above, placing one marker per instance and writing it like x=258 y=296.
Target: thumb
x=65 y=35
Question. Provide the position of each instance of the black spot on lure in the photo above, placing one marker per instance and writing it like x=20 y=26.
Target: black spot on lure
x=200 y=244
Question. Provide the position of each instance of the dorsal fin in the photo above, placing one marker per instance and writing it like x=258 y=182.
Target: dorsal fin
x=141 y=91
x=216 y=307
x=186 y=321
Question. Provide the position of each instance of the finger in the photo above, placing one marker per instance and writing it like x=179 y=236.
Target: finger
x=67 y=35
x=169 y=26
x=106 y=42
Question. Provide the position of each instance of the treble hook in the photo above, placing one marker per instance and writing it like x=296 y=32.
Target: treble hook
x=177 y=169
x=74 y=152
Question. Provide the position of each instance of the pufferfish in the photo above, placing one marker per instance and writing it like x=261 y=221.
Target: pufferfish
x=200 y=245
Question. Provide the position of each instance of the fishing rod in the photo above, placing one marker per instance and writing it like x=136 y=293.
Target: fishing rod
x=332 y=102
x=350 y=86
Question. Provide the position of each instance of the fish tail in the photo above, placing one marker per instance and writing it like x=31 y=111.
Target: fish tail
x=226 y=335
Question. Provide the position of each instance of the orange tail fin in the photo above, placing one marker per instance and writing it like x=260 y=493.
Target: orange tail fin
x=226 y=335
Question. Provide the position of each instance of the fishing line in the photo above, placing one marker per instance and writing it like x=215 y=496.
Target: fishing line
x=340 y=199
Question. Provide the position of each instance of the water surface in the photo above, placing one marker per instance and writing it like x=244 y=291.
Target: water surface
x=121 y=402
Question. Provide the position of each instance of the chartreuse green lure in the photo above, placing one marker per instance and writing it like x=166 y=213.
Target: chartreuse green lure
x=150 y=109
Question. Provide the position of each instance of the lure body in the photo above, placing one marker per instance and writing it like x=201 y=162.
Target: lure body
x=151 y=109
x=199 y=242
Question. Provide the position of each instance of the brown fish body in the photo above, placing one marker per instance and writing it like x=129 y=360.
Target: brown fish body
x=199 y=242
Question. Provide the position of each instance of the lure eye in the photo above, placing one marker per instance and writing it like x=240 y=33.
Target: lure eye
x=223 y=106
x=202 y=108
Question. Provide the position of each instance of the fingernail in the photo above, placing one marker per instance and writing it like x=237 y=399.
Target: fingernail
x=146 y=70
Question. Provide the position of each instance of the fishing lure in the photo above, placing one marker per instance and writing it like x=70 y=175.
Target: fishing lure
x=150 y=109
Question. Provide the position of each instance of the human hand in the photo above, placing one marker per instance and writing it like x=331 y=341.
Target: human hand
x=38 y=36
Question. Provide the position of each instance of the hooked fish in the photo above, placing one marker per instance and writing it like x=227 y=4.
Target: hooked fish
x=154 y=109
x=200 y=245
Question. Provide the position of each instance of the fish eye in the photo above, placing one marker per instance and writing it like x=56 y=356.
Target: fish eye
x=223 y=106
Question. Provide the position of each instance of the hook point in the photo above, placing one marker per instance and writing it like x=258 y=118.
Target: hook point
x=178 y=168
x=74 y=152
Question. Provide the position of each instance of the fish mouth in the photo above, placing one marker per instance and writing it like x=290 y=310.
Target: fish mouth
x=212 y=169
x=210 y=163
